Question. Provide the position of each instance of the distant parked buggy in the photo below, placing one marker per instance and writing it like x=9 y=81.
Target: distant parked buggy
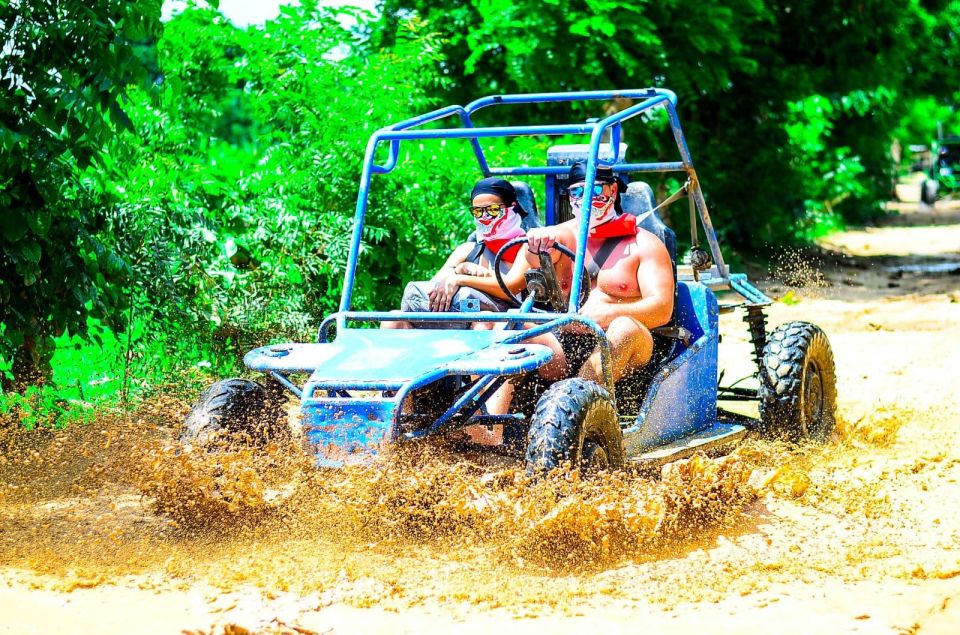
x=368 y=389
x=944 y=176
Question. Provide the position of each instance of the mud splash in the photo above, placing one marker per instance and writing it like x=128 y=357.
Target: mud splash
x=98 y=504
x=432 y=497
x=560 y=523
x=800 y=269
x=118 y=498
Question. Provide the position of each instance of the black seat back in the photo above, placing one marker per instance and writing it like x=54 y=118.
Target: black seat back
x=638 y=200
x=528 y=204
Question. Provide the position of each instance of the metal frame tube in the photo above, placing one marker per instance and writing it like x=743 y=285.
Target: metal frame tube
x=590 y=95
x=481 y=390
x=671 y=166
x=286 y=383
x=481 y=133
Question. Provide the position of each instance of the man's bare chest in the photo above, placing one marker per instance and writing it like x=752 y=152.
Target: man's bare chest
x=615 y=274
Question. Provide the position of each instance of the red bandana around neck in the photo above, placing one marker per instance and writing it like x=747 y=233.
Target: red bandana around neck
x=496 y=244
x=622 y=225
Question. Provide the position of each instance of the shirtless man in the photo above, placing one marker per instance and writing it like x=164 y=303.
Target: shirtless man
x=632 y=285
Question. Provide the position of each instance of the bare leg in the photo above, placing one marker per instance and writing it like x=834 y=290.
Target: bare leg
x=631 y=346
x=556 y=368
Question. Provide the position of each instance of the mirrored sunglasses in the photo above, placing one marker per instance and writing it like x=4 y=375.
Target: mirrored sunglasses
x=577 y=190
x=493 y=211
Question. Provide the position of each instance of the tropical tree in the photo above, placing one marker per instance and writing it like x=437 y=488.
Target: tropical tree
x=66 y=67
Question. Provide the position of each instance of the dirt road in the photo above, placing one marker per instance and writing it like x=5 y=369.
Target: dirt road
x=859 y=536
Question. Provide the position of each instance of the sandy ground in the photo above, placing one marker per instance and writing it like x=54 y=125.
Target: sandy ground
x=861 y=535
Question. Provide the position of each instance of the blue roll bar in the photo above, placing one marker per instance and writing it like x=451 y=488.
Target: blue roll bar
x=651 y=98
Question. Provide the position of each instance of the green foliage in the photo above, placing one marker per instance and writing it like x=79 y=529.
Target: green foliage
x=237 y=191
x=200 y=184
x=67 y=65
x=919 y=124
x=788 y=108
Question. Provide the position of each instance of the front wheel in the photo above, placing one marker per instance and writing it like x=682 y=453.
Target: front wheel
x=576 y=424
x=232 y=409
x=798 y=384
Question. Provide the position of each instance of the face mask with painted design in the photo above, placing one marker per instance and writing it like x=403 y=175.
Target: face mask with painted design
x=504 y=227
x=602 y=208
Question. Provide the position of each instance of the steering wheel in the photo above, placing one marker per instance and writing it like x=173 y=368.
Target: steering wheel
x=550 y=291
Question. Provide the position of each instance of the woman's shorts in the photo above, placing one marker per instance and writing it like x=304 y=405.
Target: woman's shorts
x=416 y=299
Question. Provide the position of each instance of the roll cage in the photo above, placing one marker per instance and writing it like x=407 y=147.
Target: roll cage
x=649 y=99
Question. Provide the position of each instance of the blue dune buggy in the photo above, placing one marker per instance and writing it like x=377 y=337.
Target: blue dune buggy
x=368 y=389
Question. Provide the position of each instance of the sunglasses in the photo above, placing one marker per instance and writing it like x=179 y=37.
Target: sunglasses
x=577 y=190
x=493 y=211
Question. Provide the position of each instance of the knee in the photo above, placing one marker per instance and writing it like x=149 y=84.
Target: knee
x=624 y=327
x=557 y=367
x=627 y=331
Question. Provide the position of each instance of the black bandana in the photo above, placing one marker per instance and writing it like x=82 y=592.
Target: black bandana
x=498 y=187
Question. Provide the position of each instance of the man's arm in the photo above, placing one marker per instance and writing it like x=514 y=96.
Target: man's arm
x=654 y=307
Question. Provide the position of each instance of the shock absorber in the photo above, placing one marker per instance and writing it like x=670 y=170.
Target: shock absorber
x=757 y=323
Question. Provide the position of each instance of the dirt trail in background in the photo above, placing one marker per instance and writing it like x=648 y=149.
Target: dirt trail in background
x=862 y=535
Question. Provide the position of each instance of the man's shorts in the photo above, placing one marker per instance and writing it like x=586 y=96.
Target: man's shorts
x=416 y=299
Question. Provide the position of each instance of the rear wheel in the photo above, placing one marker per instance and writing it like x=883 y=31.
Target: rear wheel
x=236 y=409
x=575 y=423
x=798 y=385
x=928 y=192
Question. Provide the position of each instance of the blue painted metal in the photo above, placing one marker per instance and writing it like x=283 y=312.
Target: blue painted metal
x=555 y=130
x=669 y=166
x=478 y=316
x=682 y=397
x=526 y=307
x=652 y=98
x=594 y=95
x=569 y=319
x=286 y=383
x=371 y=359
x=740 y=284
x=341 y=430
x=468 y=403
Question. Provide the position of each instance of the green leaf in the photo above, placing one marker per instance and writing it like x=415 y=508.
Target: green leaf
x=293 y=274
x=13 y=226
x=120 y=118
x=31 y=251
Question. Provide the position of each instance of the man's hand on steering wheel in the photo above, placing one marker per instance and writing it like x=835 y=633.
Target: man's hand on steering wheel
x=543 y=239
x=550 y=291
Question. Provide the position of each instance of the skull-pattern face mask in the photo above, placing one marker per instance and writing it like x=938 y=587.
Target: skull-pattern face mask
x=602 y=208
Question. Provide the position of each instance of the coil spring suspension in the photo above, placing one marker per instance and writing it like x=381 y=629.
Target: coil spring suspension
x=757 y=323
